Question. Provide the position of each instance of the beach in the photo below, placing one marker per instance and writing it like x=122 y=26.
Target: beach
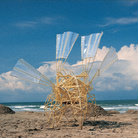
x=34 y=124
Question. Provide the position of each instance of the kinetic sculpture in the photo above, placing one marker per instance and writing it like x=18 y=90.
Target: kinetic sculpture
x=70 y=92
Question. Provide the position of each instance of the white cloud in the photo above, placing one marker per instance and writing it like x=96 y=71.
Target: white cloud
x=120 y=21
x=128 y=88
x=52 y=20
x=99 y=57
x=130 y=54
x=48 y=69
x=135 y=13
x=41 y=21
x=122 y=75
x=8 y=82
x=130 y=3
x=27 y=24
x=46 y=20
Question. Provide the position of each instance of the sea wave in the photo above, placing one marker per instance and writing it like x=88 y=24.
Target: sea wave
x=121 y=106
x=25 y=106
x=42 y=106
x=121 y=109
x=36 y=108
x=29 y=109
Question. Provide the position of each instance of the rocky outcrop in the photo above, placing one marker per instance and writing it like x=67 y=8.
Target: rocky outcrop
x=6 y=110
x=95 y=110
x=92 y=111
x=132 y=112
x=113 y=112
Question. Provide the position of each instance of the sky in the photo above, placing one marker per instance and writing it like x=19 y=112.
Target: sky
x=28 y=30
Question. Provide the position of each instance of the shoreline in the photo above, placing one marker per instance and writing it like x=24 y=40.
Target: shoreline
x=119 y=105
x=34 y=124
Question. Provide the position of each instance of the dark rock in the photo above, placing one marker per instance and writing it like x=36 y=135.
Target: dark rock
x=6 y=110
x=35 y=129
x=96 y=110
x=132 y=112
x=113 y=112
x=92 y=111
x=28 y=112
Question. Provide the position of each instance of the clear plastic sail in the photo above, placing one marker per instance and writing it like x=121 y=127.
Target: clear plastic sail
x=89 y=45
x=109 y=59
x=25 y=71
x=65 y=43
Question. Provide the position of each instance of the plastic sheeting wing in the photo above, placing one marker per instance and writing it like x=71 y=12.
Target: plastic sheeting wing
x=65 y=43
x=109 y=59
x=25 y=71
x=89 y=45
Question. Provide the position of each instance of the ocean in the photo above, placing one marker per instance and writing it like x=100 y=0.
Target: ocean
x=120 y=105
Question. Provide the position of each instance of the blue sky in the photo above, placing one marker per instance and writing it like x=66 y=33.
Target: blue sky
x=28 y=30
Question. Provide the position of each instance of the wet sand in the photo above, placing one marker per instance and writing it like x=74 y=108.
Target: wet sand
x=33 y=124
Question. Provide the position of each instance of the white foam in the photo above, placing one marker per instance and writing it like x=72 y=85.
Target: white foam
x=25 y=106
x=122 y=112
x=18 y=106
x=121 y=108
x=31 y=106
x=42 y=106
x=28 y=109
